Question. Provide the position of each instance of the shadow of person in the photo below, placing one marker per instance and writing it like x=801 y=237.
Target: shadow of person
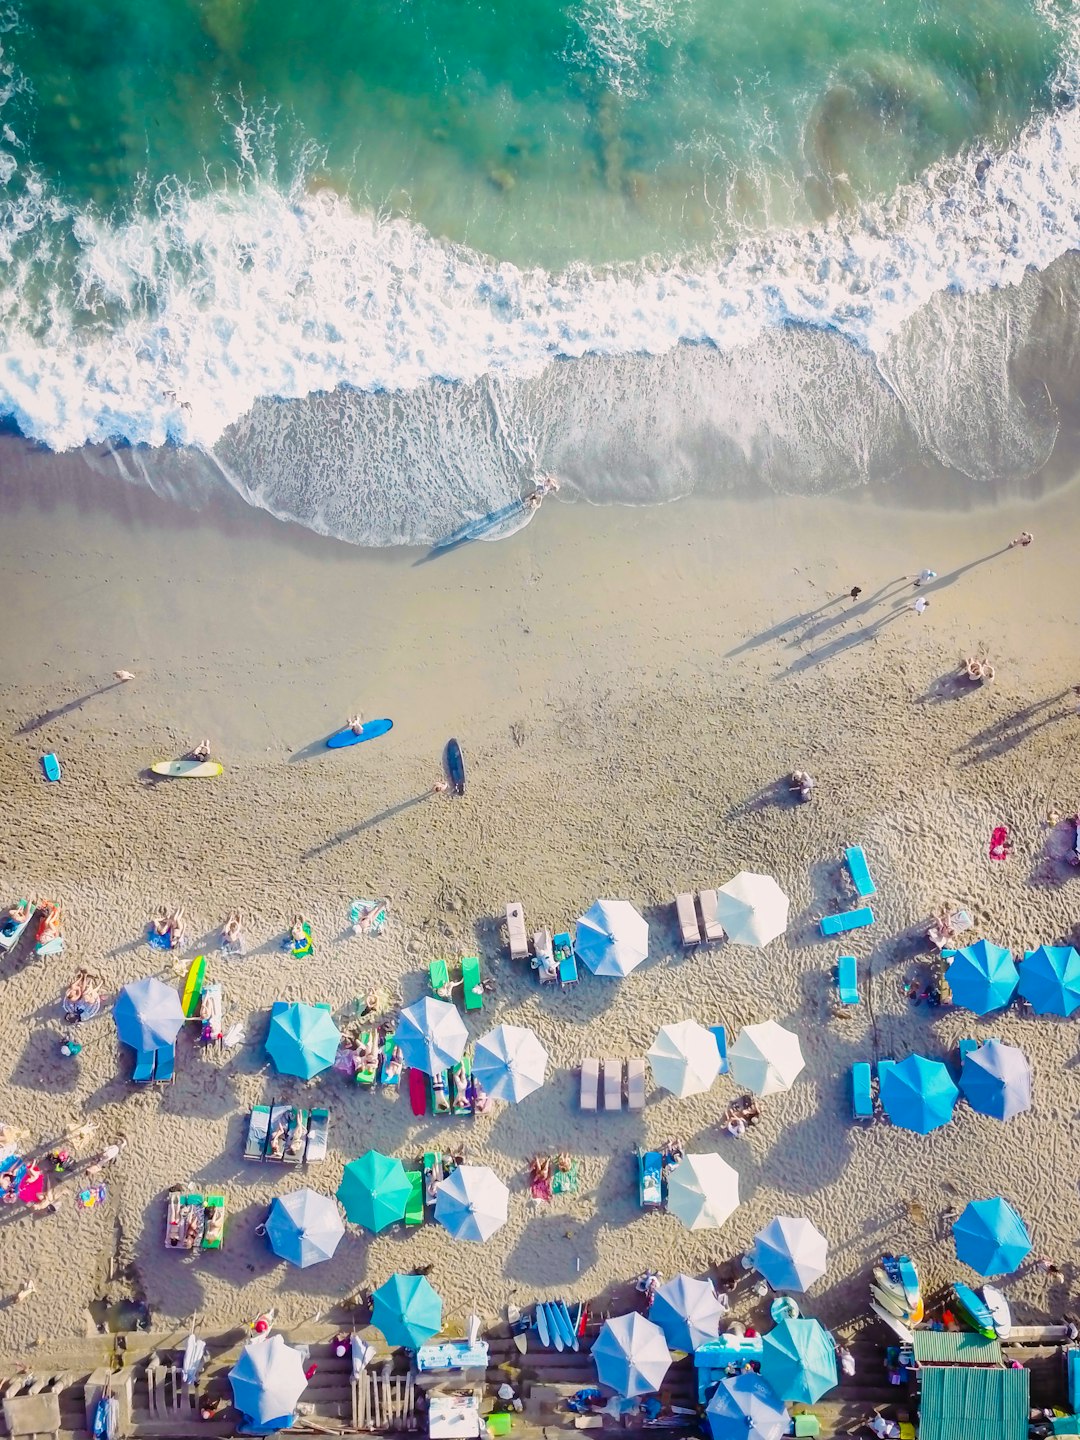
x=59 y=711
x=368 y=824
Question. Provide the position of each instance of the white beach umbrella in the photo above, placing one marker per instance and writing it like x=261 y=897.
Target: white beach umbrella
x=612 y=938
x=472 y=1203
x=791 y=1253
x=703 y=1191
x=766 y=1058
x=684 y=1058
x=510 y=1062
x=752 y=909
x=431 y=1035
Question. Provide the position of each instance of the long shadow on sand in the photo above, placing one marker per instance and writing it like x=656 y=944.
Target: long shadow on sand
x=1005 y=735
x=312 y=749
x=485 y=528
x=343 y=835
x=59 y=711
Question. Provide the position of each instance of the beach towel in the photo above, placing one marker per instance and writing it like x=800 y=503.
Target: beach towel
x=368 y=917
x=999 y=844
x=301 y=949
x=156 y=941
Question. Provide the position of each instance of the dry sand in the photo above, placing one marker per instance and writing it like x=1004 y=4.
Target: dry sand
x=628 y=686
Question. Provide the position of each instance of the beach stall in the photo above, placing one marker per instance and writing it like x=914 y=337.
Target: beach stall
x=472 y=1203
x=995 y=1079
x=960 y=1400
x=746 y=1407
x=374 y=1191
x=991 y=1237
x=303 y=1039
x=685 y=1058
x=631 y=1356
x=267 y=1381
x=752 y=909
x=703 y=1191
x=1050 y=979
x=510 y=1062
x=688 y=1311
x=766 y=1058
x=982 y=977
x=798 y=1359
x=407 y=1311
x=917 y=1094
x=431 y=1035
x=611 y=938
x=791 y=1253
x=304 y=1227
x=148 y=1014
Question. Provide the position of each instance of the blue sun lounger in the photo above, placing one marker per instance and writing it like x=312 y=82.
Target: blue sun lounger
x=721 y=1044
x=565 y=959
x=847 y=980
x=848 y=920
x=862 y=1097
x=966 y=1047
x=144 y=1066
x=860 y=872
x=165 y=1073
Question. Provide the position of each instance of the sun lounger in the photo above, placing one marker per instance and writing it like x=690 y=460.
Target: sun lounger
x=192 y=1221
x=414 y=1206
x=12 y=929
x=165 y=1069
x=613 y=1085
x=318 y=1137
x=847 y=980
x=860 y=872
x=710 y=926
x=214 y=1227
x=847 y=920
x=470 y=974
x=650 y=1179
x=966 y=1047
x=590 y=1082
x=258 y=1132
x=460 y=1102
x=366 y=1067
x=439 y=1088
x=439 y=978
x=635 y=1083
x=387 y=1056
x=433 y=1176
x=287 y=1134
x=544 y=951
x=515 y=929
x=687 y=918
x=145 y=1061
x=862 y=1096
x=173 y=1219
x=720 y=1035
x=565 y=959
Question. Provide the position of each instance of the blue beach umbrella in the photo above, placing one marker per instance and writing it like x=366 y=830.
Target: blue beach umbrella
x=688 y=1311
x=790 y=1253
x=471 y=1203
x=917 y=1094
x=407 y=1311
x=268 y=1379
x=303 y=1039
x=374 y=1191
x=148 y=1014
x=798 y=1359
x=996 y=1080
x=611 y=938
x=431 y=1035
x=982 y=977
x=1050 y=979
x=304 y=1227
x=631 y=1356
x=990 y=1237
x=510 y=1062
x=746 y=1407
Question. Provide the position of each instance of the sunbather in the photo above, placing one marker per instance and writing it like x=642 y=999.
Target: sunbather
x=803 y=782
x=214 y=1216
x=200 y=752
x=478 y=1096
x=438 y=1091
x=232 y=938
x=394 y=1066
x=355 y=723
x=540 y=1177
x=16 y=915
x=49 y=926
x=278 y=1139
x=300 y=939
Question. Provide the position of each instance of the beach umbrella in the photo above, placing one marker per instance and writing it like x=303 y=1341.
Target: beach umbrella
x=990 y=1237
x=268 y=1379
x=1050 y=979
x=374 y=1191
x=631 y=1355
x=766 y=1058
x=431 y=1035
x=982 y=977
x=688 y=1311
x=917 y=1094
x=471 y=1203
x=790 y=1253
x=703 y=1191
x=684 y=1058
x=510 y=1063
x=798 y=1359
x=304 y=1227
x=611 y=938
x=148 y=1014
x=752 y=909
x=303 y=1039
x=407 y=1311
x=996 y=1080
x=746 y=1407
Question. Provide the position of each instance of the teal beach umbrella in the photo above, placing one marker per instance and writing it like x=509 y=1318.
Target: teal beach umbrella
x=1050 y=979
x=917 y=1094
x=798 y=1359
x=303 y=1039
x=982 y=977
x=374 y=1191
x=407 y=1311
x=990 y=1237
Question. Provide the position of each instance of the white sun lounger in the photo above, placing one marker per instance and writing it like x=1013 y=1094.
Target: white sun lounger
x=635 y=1084
x=590 y=1082
x=710 y=926
x=515 y=929
x=687 y=916
x=544 y=949
x=612 y=1084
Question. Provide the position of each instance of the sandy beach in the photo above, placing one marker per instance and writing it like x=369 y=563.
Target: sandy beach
x=629 y=687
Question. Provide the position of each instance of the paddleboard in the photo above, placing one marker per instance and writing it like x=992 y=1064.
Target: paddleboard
x=418 y=1083
x=892 y=1303
x=896 y=1326
x=888 y=1283
x=455 y=764
x=1000 y=1313
x=569 y=1332
x=974 y=1311
x=554 y=1328
x=909 y=1279
x=542 y=1325
x=51 y=765
x=370 y=730
x=187 y=769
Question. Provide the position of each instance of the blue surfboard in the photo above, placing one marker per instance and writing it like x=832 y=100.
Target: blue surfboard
x=368 y=731
x=455 y=764
x=51 y=765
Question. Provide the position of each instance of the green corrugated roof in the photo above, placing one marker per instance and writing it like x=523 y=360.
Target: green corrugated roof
x=962 y=1402
x=955 y=1347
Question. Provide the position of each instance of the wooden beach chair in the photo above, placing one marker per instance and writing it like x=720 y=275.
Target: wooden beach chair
x=847 y=980
x=862 y=1095
x=613 y=1085
x=516 y=932
x=590 y=1082
x=847 y=920
x=470 y=974
x=635 y=1083
x=860 y=872
x=687 y=918
x=710 y=926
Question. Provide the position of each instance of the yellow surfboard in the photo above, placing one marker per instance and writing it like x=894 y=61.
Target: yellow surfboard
x=187 y=769
x=193 y=987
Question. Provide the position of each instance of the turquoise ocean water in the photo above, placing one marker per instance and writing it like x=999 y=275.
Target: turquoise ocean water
x=379 y=264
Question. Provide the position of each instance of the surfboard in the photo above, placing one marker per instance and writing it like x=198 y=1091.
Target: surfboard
x=892 y=1303
x=51 y=765
x=455 y=764
x=542 y=1325
x=896 y=1326
x=554 y=1328
x=567 y=1325
x=370 y=730
x=519 y=1327
x=974 y=1311
x=187 y=769
x=418 y=1086
x=999 y=1311
x=193 y=988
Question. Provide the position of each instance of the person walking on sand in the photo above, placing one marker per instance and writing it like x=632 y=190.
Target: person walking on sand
x=920 y=604
x=855 y=591
x=923 y=576
x=1024 y=538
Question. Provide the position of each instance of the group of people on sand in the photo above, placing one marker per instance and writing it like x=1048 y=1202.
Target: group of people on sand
x=741 y=1114
x=82 y=998
x=167 y=928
